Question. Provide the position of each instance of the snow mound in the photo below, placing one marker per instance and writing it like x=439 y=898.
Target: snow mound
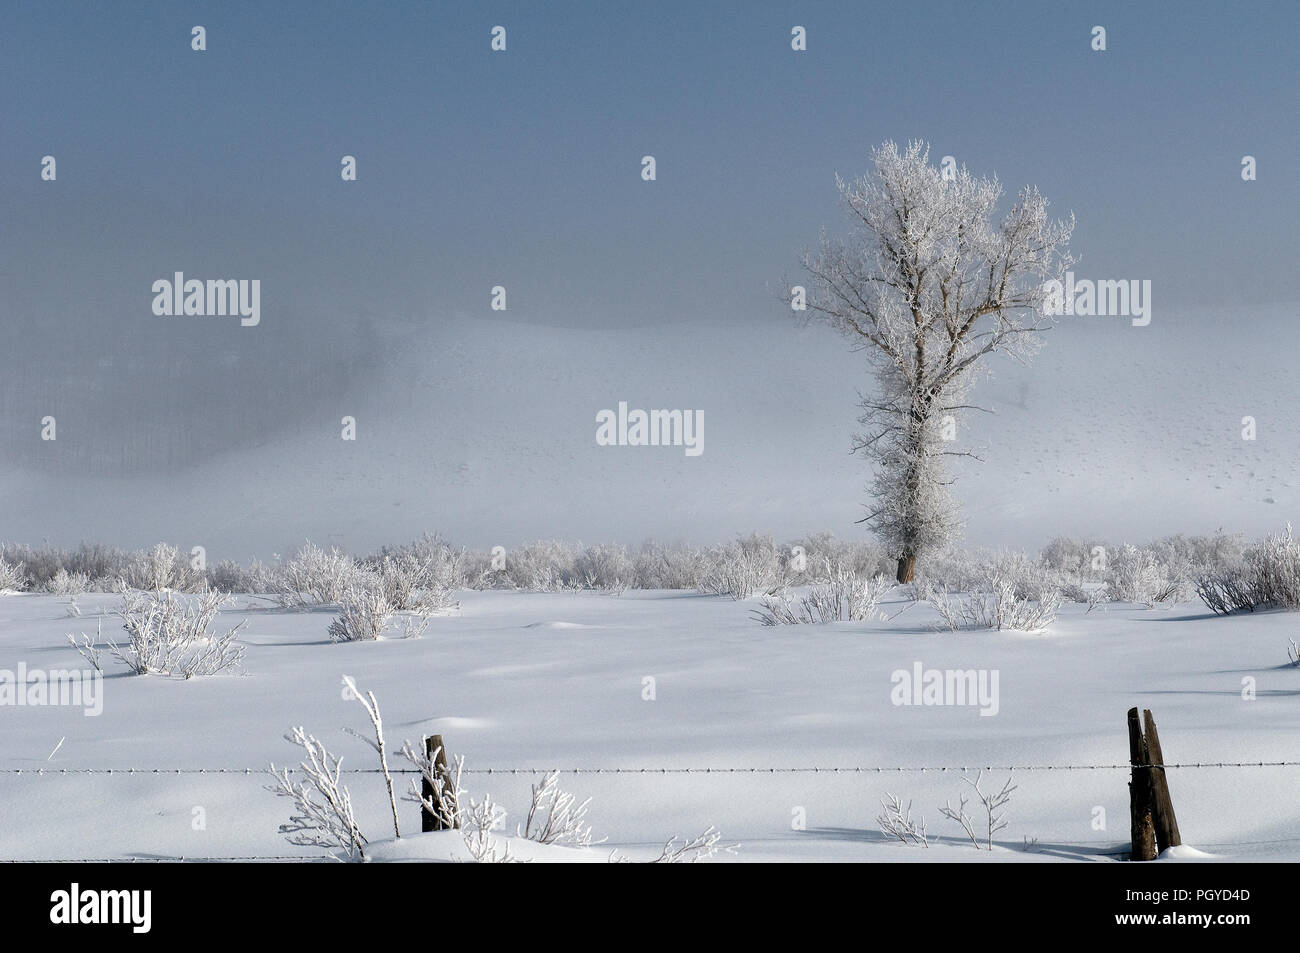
x=1183 y=852
x=449 y=847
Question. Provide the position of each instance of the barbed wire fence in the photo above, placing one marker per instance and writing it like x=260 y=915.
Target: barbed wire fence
x=824 y=769
x=52 y=772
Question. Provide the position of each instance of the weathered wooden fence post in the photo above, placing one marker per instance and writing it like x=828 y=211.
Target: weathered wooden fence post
x=1163 y=806
x=437 y=754
x=1139 y=792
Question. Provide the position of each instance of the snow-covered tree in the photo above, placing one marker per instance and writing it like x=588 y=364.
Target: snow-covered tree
x=928 y=284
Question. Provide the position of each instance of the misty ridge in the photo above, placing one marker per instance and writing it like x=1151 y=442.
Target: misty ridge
x=145 y=396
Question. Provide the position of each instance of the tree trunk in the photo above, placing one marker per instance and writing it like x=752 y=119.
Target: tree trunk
x=906 y=567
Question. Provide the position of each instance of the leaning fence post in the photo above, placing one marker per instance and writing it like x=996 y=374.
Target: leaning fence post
x=437 y=755
x=1139 y=792
x=1166 y=823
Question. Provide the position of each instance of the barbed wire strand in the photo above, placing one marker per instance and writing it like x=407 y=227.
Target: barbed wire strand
x=852 y=769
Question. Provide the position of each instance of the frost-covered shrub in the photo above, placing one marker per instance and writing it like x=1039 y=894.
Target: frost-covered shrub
x=952 y=571
x=541 y=566
x=1186 y=555
x=1076 y=560
x=323 y=814
x=162 y=567
x=315 y=577
x=13 y=577
x=1136 y=575
x=1229 y=589
x=168 y=634
x=974 y=571
x=411 y=583
x=824 y=558
x=364 y=613
x=557 y=817
x=848 y=598
x=430 y=569
x=994 y=805
x=104 y=567
x=692 y=850
x=1089 y=594
x=746 y=568
x=1066 y=554
x=1275 y=567
x=97 y=562
x=1031 y=579
x=658 y=566
x=229 y=576
x=605 y=567
x=896 y=822
x=1266 y=575
x=66 y=583
x=996 y=607
x=35 y=566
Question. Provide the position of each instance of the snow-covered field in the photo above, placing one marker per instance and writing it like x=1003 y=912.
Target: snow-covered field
x=518 y=680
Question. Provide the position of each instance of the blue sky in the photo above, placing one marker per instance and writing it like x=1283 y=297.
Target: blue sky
x=523 y=169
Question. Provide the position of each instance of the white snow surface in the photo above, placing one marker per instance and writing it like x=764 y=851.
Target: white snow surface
x=520 y=681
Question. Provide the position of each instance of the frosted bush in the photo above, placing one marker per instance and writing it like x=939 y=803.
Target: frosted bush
x=1091 y=594
x=168 y=634
x=557 y=817
x=994 y=811
x=162 y=567
x=896 y=822
x=952 y=571
x=13 y=577
x=1136 y=575
x=412 y=583
x=1229 y=589
x=1275 y=567
x=364 y=613
x=230 y=576
x=1078 y=560
x=605 y=567
x=323 y=814
x=997 y=607
x=66 y=583
x=692 y=850
x=37 y=566
x=98 y=562
x=847 y=599
x=1033 y=581
x=977 y=571
x=1268 y=574
x=482 y=819
x=747 y=568
x=824 y=558
x=422 y=576
x=668 y=567
x=541 y=566
x=315 y=577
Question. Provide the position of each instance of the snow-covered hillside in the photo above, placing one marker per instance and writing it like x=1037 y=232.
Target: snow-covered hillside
x=485 y=431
